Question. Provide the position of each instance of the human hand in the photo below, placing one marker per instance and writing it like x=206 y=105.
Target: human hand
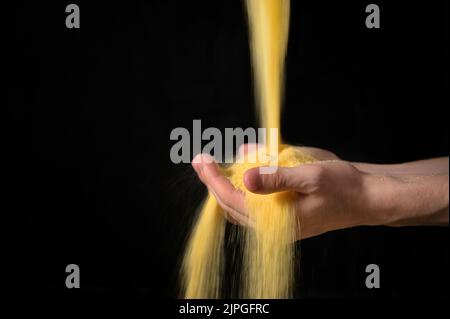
x=331 y=194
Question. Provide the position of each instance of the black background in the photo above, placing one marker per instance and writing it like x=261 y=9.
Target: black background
x=90 y=112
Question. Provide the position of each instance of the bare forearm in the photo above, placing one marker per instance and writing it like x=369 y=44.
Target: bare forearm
x=410 y=200
x=438 y=165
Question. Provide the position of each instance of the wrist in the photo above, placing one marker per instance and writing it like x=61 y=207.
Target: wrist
x=407 y=200
x=381 y=204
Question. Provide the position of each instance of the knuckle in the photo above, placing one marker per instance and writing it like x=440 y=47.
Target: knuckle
x=318 y=173
x=226 y=208
x=276 y=181
x=227 y=201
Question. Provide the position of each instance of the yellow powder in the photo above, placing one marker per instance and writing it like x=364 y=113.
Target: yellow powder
x=269 y=28
x=269 y=252
x=203 y=262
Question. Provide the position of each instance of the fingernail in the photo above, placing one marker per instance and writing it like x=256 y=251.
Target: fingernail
x=197 y=159
x=207 y=159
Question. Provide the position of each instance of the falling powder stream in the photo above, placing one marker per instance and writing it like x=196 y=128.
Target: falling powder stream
x=268 y=244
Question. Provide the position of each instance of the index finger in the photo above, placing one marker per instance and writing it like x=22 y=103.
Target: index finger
x=225 y=193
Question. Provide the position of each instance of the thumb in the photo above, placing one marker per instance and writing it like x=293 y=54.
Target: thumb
x=285 y=178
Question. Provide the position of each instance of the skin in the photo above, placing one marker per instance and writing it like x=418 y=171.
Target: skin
x=335 y=194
